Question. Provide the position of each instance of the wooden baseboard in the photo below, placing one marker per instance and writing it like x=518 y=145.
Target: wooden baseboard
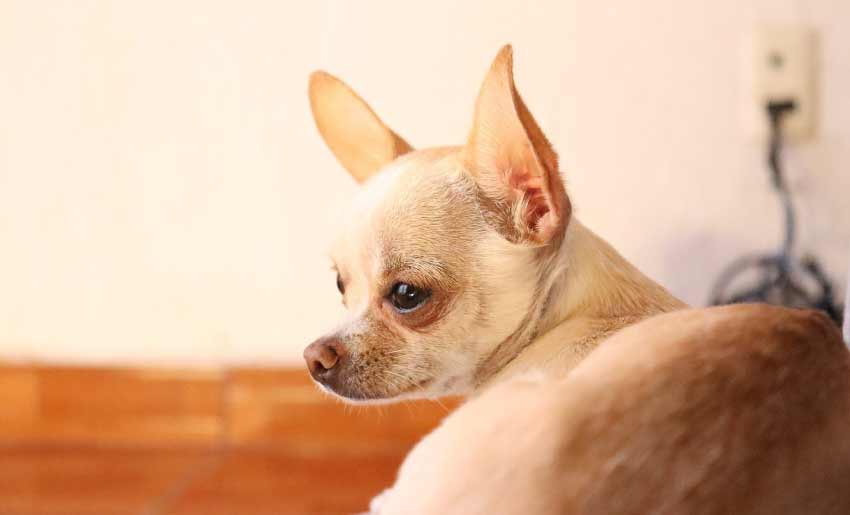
x=168 y=407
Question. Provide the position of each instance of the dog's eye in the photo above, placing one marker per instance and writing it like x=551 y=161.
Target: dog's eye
x=406 y=297
x=339 y=285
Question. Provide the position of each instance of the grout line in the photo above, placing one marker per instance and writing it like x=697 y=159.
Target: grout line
x=225 y=424
x=46 y=445
x=169 y=498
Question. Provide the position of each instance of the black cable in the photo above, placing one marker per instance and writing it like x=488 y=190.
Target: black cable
x=777 y=284
x=776 y=111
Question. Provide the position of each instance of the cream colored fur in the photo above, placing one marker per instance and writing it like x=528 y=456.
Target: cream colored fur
x=733 y=410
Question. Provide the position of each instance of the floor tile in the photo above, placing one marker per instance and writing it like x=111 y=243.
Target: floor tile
x=265 y=483
x=90 y=481
x=20 y=407
x=276 y=407
x=132 y=406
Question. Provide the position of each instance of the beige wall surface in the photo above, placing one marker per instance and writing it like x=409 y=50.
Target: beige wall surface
x=165 y=198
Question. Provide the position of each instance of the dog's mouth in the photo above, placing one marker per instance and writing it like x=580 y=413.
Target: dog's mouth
x=354 y=393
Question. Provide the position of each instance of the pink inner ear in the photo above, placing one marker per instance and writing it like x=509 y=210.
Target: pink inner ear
x=529 y=188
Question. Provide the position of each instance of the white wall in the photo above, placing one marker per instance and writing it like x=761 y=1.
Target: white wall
x=164 y=196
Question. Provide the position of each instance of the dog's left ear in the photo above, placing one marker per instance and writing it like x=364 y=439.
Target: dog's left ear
x=361 y=142
x=513 y=162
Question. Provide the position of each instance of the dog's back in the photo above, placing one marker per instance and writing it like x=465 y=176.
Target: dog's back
x=740 y=409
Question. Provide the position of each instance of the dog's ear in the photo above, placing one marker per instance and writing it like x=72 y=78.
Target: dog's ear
x=513 y=163
x=354 y=133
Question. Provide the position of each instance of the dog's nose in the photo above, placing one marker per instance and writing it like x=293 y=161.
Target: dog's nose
x=322 y=356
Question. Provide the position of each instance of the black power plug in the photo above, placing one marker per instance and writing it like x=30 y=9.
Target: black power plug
x=776 y=109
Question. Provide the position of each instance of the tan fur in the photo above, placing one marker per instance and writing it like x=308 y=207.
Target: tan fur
x=739 y=409
x=369 y=144
x=516 y=281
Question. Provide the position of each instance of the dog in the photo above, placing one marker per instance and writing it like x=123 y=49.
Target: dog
x=461 y=267
x=735 y=409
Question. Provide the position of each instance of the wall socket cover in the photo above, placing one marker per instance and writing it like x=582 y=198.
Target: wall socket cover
x=781 y=65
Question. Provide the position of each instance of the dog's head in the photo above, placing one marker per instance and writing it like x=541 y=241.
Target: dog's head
x=443 y=255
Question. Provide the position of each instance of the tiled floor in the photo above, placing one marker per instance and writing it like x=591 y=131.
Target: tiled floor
x=116 y=441
x=101 y=481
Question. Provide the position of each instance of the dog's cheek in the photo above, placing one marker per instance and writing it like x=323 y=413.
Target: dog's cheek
x=385 y=360
x=468 y=343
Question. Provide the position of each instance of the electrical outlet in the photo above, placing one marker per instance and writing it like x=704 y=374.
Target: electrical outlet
x=782 y=66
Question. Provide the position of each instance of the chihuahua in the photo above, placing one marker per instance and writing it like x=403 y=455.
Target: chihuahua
x=463 y=266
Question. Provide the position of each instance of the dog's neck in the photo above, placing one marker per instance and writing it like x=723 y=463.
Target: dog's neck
x=588 y=291
x=590 y=279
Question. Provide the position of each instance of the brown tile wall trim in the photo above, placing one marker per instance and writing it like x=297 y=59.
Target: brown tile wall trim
x=248 y=407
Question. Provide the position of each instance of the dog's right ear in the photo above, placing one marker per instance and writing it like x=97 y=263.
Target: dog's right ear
x=513 y=162
x=361 y=142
